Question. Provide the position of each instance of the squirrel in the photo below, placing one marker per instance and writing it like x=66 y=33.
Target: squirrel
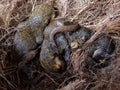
x=50 y=59
x=24 y=39
x=40 y=17
x=54 y=58
x=30 y=33
x=101 y=48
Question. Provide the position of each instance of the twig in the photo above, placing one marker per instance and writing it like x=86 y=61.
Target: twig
x=38 y=78
x=9 y=69
x=51 y=78
x=82 y=10
x=7 y=35
x=68 y=79
x=7 y=81
x=100 y=28
x=91 y=27
x=33 y=2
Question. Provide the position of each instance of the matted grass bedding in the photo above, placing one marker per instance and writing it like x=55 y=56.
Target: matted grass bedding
x=102 y=16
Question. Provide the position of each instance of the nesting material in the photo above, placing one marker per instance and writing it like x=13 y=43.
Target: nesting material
x=102 y=16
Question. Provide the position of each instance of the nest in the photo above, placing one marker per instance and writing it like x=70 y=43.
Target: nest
x=102 y=16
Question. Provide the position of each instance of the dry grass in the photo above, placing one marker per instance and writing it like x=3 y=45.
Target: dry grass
x=103 y=16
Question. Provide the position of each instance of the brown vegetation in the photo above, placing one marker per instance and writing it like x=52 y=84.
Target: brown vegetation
x=102 y=16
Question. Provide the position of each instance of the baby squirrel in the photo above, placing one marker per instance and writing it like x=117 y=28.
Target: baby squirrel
x=24 y=39
x=101 y=48
x=30 y=33
x=39 y=19
x=52 y=58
